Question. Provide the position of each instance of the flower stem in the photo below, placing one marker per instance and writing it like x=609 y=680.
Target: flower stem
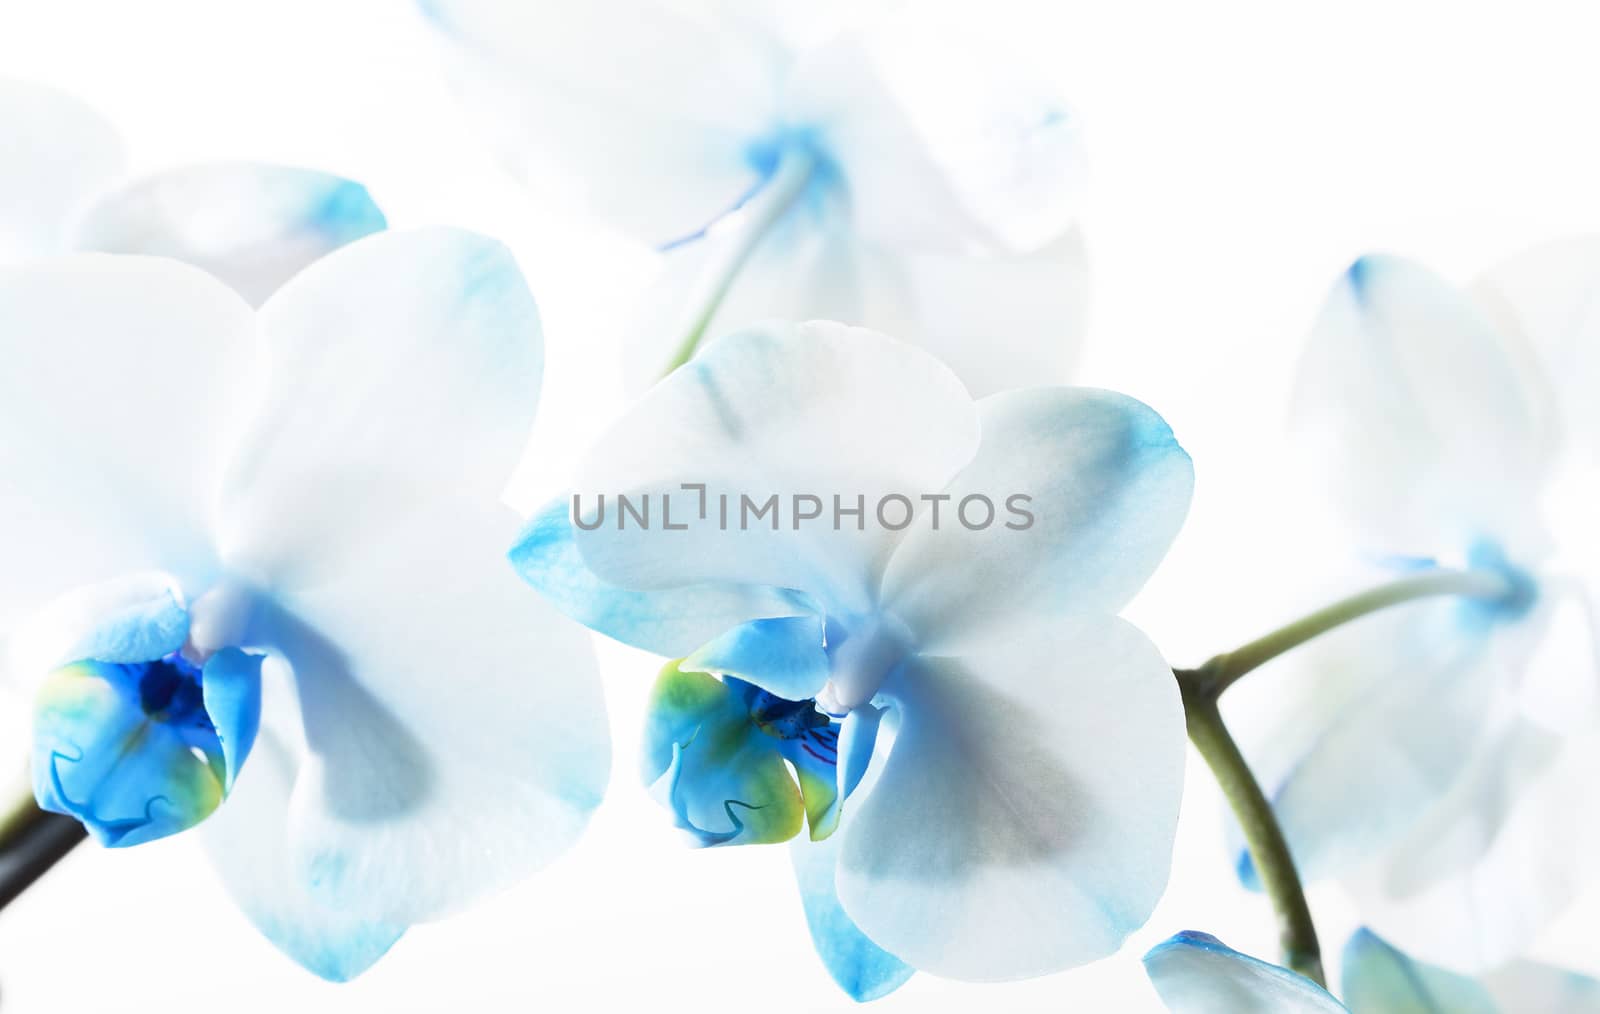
x=1222 y=671
x=31 y=842
x=1202 y=687
x=754 y=220
x=1297 y=935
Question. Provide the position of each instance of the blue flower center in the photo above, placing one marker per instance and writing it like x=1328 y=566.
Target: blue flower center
x=779 y=717
x=1521 y=594
x=170 y=691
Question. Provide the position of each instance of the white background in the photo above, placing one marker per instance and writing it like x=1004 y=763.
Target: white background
x=1242 y=155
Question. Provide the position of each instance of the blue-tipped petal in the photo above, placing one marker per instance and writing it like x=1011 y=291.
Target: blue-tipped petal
x=861 y=968
x=231 y=684
x=126 y=749
x=253 y=226
x=1196 y=973
x=785 y=656
x=248 y=841
x=1377 y=977
x=1073 y=498
x=672 y=623
x=1407 y=397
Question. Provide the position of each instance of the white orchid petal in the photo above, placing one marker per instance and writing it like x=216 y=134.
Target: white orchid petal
x=783 y=411
x=247 y=844
x=1425 y=420
x=59 y=154
x=1105 y=486
x=401 y=373
x=1195 y=973
x=1015 y=833
x=1550 y=295
x=998 y=320
x=122 y=376
x=943 y=143
x=650 y=110
x=454 y=727
x=253 y=226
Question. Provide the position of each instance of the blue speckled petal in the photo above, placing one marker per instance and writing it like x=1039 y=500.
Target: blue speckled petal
x=1055 y=869
x=231 y=684
x=1196 y=973
x=59 y=154
x=1408 y=397
x=247 y=842
x=1108 y=488
x=1379 y=978
x=253 y=226
x=861 y=968
x=128 y=775
x=785 y=656
x=671 y=623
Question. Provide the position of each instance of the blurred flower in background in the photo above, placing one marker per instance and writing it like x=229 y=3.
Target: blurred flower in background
x=879 y=167
x=989 y=760
x=254 y=566
x=1196 y=973
x=1438 y=757
x=252 y=225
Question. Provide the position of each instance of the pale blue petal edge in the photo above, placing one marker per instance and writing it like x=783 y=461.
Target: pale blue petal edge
x=861 y=968
x=782 y=655
x=671 y=622
x=1378 y=977
x=1195 y=973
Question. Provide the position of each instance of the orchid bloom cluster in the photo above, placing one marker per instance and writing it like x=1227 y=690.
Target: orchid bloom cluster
x=1439 y=757
x=869 y=163
x=243 y=565
x=978 y=739
x=255 y=543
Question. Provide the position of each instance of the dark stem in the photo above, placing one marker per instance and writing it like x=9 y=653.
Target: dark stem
x=31 y=842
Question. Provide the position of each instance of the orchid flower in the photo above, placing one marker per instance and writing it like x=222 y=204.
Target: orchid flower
x=882 y=168
x=987 y=759
x=1437 y=757
x=1196 y=973
x=252 y=225
x=253 y=571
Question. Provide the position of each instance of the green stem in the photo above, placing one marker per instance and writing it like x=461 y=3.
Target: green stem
x=757 y=217
x=1202 y=687
x=1222 y=671
x=1297 y=935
